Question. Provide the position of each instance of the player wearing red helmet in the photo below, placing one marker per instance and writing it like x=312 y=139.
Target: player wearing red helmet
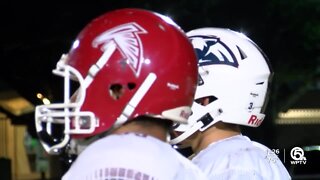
x=137 y=73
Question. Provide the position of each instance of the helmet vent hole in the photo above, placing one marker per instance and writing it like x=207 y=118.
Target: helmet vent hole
x=116 y=91
x=260 y=83
x=131 y=86
x=205 y=100
x=242 y=54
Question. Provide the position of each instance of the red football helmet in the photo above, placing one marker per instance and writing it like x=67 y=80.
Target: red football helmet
x=128 y=62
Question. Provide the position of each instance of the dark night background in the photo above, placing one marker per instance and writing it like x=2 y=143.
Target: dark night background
x=34 y=34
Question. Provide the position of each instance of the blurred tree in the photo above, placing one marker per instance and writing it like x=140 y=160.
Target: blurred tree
x=295 y=43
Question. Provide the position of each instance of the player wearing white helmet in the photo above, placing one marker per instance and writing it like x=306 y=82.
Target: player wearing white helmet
x=137 y=72
x=233 y=86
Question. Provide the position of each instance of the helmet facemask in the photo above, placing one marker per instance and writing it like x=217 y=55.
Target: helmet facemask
x=64 y=118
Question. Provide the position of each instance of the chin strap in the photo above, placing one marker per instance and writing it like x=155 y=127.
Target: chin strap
x=102 y=61
x=201 y=125
x=187 y=133
x=135 y=100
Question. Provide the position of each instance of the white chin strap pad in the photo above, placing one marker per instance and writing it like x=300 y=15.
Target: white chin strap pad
x=187 y=133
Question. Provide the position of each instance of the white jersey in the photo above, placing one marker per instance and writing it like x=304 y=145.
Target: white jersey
x=238 y=158
x=129 y=157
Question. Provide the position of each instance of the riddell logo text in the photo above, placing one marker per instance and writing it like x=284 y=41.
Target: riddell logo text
x=254 y=120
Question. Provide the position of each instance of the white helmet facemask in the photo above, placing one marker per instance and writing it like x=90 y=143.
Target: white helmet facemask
x=65 y=117
x=233 y=74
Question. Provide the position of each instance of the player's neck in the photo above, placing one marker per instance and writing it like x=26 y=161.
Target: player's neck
x=154 y=131
x=213 y=134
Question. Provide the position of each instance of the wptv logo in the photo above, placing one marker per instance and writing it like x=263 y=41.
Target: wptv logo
x=297 y=156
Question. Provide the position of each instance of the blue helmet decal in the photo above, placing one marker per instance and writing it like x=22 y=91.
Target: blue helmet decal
x=210 y=50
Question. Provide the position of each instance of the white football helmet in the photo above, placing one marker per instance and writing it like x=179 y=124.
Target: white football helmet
x=234 y=74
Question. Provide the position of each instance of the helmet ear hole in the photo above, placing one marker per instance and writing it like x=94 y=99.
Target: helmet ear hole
x=116 y=91
x=131 y=85
x=204 y=101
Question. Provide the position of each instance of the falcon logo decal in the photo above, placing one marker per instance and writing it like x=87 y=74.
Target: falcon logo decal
x=210 y=50
x=127 y=41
